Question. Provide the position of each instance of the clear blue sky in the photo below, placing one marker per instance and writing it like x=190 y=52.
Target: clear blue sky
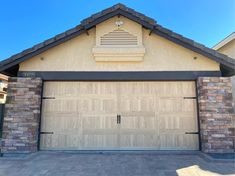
x=24 y=23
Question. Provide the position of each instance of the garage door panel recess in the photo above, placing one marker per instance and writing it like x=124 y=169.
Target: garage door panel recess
x=119 y=115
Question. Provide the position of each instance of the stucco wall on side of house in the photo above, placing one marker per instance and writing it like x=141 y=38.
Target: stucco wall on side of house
x=161 y=55
x=228 y=49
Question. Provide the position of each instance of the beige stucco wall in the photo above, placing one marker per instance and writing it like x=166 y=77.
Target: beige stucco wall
x=228 y=49
x=161 y=55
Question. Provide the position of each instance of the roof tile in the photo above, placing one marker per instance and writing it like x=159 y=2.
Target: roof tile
x=27 y=51
x=71 y=31
x=198 y=45
x=49 y=41
x=37 y=46
x=60 y=36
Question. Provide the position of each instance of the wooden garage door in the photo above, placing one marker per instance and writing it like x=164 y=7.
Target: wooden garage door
x=153 y=116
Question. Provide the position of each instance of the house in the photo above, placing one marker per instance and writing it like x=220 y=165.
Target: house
x=118 y=81
x=227 y=46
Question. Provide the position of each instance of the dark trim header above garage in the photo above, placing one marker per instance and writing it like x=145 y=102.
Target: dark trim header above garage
x=120 y=76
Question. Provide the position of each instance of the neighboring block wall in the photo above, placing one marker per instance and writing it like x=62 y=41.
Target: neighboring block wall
x=22 y=115
x=216 y=114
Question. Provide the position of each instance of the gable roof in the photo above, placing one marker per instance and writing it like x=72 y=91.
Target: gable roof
x=117 y=10
x=224 y=41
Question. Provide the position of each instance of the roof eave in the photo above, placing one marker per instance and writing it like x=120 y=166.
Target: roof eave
x=224 y=41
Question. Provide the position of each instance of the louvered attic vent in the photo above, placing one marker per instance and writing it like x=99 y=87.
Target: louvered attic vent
x=118 y=37
x=119 y=44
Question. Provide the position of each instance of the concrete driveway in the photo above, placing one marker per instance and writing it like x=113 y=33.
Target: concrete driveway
x=114 y=164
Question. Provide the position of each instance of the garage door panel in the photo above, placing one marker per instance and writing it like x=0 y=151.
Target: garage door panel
x=59 y=105
x=170 y=105
x=61 y=142
x=94 y=88
x=136 y=88
x=139 y=141
x=96 y=105
x=178 y=105
x=45 y=141
x=99 y=122
x=109 y=105
x=69 y=124
x=189 y=105
x=138 y=122
x=63 y=89
x=188 y=89
x=136 y=103
x=138 y=113
x=170 y=89
x=61 y=121
x=178 y=141
x=169 y=122
x=187 y=124
x=181 y=122
x=101 y=141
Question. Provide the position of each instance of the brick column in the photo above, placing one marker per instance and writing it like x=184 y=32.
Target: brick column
x=216 y=114
x=22 y=115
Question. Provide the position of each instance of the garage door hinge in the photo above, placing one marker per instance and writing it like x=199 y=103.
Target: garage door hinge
x=191 y=132
x=190 y=97
x=48 y=97
x=46 y=133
